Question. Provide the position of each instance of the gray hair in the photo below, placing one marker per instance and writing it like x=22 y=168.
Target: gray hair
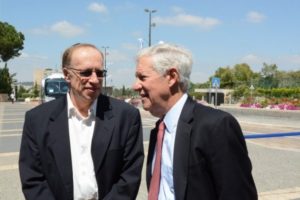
x=166 y=56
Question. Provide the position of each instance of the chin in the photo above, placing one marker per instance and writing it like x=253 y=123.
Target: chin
x=92 y=95
x=145 y=108
x=146 y=105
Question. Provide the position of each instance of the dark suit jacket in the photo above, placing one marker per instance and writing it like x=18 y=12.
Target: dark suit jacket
x=117 y=151
x=210 y=156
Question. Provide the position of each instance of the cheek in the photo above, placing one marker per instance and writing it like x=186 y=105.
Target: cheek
x=76 y=84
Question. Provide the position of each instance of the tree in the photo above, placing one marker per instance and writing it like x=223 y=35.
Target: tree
x=11 y=42
x=243 y=74
x=269 y=76
x=6 y=80
x=35 y=90
x=21 y=91
x=226 y=77
x=290 y=79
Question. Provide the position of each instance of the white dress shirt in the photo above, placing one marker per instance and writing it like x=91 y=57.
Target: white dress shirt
x=81 y=131
x=166 y=190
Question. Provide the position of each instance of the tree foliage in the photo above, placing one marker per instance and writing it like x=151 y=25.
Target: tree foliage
x=269 y=76
x=6 y=80
x=35 y=90
x=11 y=41
x=243 y=74
x=241 y=78
x=226 y=76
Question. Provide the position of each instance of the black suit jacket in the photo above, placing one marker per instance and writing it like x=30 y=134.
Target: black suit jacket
x=117 y=150
x=210 y=156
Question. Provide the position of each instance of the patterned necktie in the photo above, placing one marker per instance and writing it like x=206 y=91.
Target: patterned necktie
x=155 y=180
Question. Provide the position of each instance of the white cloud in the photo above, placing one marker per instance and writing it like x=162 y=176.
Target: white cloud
x=252 y=59
x=177 y=9
x=294 y=59
x=131 y=46
x=98 y=7
x=24 y=55
x=255 y=61
x=255 y=17
x=289 y=61
x=188 y=20
x=32 y=56
x=63 y=28
x=284 y=62
x=115 y=56
x=66 y=29
x=40 y=31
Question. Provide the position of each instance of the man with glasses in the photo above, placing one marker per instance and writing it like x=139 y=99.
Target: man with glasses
x=85 y=145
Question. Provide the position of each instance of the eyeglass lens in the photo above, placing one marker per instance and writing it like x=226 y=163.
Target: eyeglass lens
x=88 y=73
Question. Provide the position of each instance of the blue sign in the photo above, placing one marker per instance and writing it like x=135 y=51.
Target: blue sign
x=215 y=82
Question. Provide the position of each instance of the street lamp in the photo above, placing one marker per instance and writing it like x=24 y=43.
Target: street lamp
x=150 y=23
x=105 y=67
x=251 y=91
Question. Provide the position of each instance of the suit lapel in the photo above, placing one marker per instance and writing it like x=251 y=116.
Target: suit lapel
x=59 y=144
x=181 y=150
x=104 y=126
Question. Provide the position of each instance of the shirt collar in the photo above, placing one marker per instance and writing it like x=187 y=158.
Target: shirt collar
x=172 y=116
x=72 y=110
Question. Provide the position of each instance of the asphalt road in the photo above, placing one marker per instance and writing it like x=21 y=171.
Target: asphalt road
x=276 y=161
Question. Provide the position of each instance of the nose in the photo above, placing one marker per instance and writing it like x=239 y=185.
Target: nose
x=94 y=77
x=136 y=85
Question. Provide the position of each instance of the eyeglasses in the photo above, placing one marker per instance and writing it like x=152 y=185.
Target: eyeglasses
x=88 y=72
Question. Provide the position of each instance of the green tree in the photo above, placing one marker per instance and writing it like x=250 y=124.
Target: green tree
x=21 y=91
x=290 y=79
x=243 y=74
x=226 y=77
x=269 y=76
x=11 y=42
x=123 y=91
x=5 y=81
x=35 y=90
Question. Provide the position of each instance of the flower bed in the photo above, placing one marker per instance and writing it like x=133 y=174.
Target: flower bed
x=282 y=106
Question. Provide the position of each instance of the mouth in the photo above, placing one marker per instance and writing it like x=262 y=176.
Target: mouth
x=143 y=95
x=92 y=89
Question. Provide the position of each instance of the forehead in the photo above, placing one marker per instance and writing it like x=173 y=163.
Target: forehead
x=144 y=63
x=82 y=54
x=85 y=50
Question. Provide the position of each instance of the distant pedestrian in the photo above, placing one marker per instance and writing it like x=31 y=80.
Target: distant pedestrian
x=12 y=97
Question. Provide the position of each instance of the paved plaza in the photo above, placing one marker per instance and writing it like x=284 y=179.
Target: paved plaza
x=276 y=161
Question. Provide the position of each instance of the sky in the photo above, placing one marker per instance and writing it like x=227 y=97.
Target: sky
x=218 y=33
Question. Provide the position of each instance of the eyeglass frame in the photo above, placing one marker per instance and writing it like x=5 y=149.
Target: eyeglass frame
x=90 y=70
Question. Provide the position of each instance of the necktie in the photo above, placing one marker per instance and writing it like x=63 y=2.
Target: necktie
x=155 y=180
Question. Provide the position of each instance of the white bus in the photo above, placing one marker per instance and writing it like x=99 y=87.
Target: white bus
x=53 y=86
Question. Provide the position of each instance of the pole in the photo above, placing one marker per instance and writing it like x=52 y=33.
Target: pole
x=216 y=97
x=105 y=68
x=150 y=24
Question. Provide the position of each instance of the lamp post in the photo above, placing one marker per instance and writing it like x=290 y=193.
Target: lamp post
x=105 y=67
x=150 y=23
x=251 y=91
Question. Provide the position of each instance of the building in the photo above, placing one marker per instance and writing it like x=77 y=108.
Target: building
x=210 y=94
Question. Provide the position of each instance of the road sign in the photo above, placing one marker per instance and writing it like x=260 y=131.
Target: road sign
x=215 y=82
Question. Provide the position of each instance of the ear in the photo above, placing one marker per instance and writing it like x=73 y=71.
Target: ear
x=173 y=76
x=67 y=75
